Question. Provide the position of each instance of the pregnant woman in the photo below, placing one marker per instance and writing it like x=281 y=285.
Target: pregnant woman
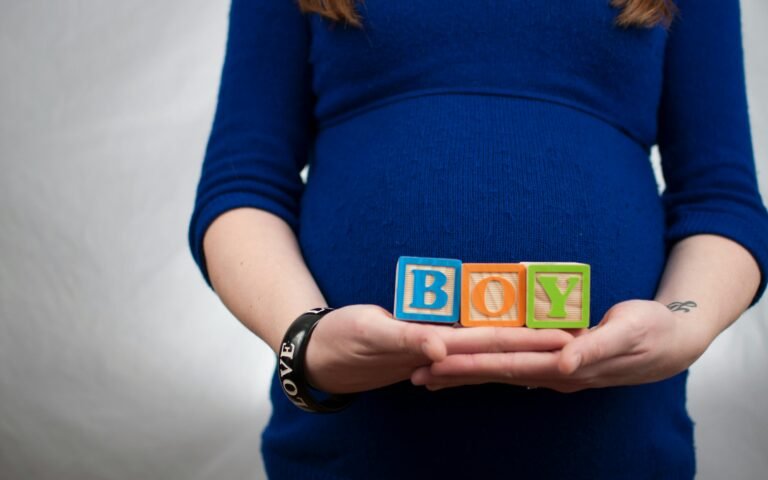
x=487 y=131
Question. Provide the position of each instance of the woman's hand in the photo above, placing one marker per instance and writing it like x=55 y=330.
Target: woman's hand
x=637 y=341
x=361 y=347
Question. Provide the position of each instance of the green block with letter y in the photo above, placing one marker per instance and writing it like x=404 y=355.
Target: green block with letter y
x=557 y=295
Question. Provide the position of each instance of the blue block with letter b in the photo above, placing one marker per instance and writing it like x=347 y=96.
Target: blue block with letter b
x=427 y=289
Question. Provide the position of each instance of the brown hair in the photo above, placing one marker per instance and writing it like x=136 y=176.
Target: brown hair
x=634 y=13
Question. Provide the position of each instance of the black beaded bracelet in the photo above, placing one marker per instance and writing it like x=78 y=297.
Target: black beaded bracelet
x=290 y=363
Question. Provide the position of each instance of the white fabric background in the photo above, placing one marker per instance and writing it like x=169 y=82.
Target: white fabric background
x=116 y=361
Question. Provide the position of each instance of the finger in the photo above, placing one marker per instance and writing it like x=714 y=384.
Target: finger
x=433 y=347
x=423 y=376
x=410 y=339
x=515 y=366
x=618 y=370
x=502 y=339
x=612 y=338
x=442 y=386
x=577 y=332
x=468 y=382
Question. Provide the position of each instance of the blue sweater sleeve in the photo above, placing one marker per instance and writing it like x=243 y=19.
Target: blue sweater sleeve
x=704 y=134
x=261 y=131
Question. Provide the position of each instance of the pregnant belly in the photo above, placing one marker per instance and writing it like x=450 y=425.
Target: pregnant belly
x=481 y=179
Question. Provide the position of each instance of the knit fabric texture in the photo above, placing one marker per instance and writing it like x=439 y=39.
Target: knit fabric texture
x=487 y=131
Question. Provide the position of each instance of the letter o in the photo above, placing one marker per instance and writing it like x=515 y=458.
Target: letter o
x=290 y=387
x=478 y=296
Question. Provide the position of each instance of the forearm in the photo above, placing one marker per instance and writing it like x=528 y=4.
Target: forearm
x=256 y=268
x=717 y=274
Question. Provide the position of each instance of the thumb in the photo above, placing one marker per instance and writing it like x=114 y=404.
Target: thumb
x=434 y=347
x=594 y=346
x=424 y=340
x=411 y=339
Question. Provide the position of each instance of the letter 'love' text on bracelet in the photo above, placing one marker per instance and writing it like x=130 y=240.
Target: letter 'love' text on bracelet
x=289 y=387
x=533 y=294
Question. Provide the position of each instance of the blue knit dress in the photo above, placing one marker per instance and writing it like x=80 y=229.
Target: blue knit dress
x=488 y=131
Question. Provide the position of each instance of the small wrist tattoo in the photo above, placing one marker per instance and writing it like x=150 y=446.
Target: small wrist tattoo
x=685 y=306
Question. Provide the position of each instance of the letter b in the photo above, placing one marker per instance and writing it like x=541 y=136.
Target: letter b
x=420 y=289
x=426 y=289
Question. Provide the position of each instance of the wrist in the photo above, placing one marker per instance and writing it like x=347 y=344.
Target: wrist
x=291 y=364
x=694 y=333
x=286 y=316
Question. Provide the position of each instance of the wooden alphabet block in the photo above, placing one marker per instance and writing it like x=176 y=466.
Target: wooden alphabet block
x=426 y=289
x=493 y=294
x=557 y=295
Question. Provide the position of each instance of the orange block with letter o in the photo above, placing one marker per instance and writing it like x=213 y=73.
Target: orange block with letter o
x=493 y=294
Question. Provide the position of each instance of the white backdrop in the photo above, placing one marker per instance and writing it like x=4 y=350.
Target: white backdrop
x=116 y=361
